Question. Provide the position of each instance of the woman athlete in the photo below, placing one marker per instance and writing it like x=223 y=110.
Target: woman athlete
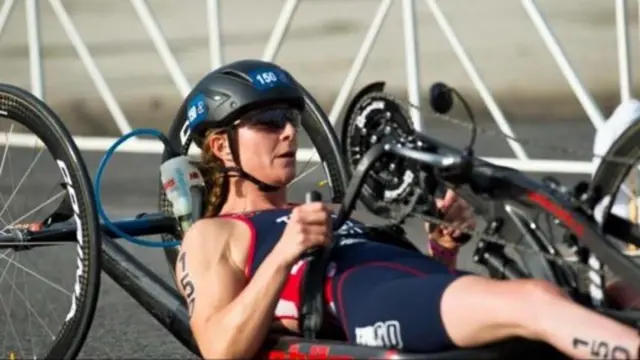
x=242 y=263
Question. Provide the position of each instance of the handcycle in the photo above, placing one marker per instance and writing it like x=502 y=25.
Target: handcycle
x=350 y=179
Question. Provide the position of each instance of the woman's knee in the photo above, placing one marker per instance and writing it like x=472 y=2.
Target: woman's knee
x=496 y=308
x=537 y=297
x=541 y=290
x=520 y=291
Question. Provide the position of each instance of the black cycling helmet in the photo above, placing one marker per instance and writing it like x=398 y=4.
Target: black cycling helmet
x=232 y=92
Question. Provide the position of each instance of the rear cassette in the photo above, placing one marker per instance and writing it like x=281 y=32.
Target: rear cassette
x=392 y=188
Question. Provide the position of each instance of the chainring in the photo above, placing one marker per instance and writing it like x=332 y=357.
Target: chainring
x=392 y=187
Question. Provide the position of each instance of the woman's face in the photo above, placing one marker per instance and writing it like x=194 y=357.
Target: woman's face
x=266 y=152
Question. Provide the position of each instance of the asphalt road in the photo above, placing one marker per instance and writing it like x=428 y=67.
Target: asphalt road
x=122 y=328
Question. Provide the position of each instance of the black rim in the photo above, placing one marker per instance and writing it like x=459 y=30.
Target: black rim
x=29 y=111
x=612 y=172
x=322 y=135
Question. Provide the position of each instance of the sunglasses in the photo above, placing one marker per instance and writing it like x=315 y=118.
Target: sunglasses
x=275 y=119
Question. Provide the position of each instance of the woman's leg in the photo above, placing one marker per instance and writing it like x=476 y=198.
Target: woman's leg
x=393 y=305
x=477 y=310
x=422 y=307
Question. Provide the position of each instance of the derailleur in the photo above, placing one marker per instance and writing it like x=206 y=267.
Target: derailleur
x=492 y=256
x=583 y=199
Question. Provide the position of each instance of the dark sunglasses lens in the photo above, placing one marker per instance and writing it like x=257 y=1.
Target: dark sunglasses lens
x=277 y=119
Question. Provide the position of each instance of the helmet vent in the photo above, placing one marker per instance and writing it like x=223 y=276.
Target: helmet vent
x=236 y=74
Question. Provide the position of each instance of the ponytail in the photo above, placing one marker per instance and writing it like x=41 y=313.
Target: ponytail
x=216 y=181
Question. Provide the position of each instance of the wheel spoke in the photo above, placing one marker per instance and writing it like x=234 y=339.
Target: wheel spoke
x=10 y=323
x=6 y=147
x=15 y=190
x=18 y=220
x=302 y=175
x=45 y=280
x=31 y=309
x=4 y=273
x=48 y=303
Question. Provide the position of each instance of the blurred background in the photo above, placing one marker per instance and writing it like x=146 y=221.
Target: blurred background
x=322 y=41
x=143 y=56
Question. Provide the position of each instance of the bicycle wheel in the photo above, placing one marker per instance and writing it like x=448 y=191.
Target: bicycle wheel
x=320 y=134
x=612 y=172
x=608 y=179
x=31 y=113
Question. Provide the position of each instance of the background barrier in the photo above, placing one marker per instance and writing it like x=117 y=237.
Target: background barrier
x=215 y=37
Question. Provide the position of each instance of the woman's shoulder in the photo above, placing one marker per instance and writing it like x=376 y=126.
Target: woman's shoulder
x=222 y=238
x=211 y=234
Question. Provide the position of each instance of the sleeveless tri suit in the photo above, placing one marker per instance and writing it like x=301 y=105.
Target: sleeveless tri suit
x=380 y=295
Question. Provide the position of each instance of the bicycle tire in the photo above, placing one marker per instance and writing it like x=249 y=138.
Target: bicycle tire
x=23 y=107
x=323 y=137
x=611 y=173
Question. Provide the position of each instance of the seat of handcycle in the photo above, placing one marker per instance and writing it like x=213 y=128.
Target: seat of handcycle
x=331 y=344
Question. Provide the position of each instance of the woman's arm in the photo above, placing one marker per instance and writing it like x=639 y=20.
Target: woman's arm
x=442 y=247
x=444 y=242
x=229 y=318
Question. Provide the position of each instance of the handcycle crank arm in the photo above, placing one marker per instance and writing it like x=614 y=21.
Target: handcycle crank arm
x=357 y=181
x=386 y=146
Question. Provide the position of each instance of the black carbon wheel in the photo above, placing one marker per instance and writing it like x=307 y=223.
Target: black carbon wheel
x=33 y=114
